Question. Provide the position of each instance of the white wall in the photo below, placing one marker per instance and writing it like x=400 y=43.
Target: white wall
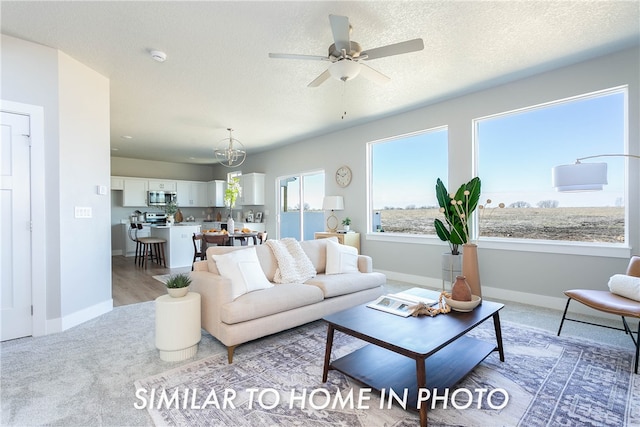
x=76 y=151
x=517 y=271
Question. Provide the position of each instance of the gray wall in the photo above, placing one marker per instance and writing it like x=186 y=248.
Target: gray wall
x=533 y=273
x=76 y=151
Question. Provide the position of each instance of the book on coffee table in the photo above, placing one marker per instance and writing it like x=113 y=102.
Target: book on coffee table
x=400 y=302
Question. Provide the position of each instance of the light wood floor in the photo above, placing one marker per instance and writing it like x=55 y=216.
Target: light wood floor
x=132 y=284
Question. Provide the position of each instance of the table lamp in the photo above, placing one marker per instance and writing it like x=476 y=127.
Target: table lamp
x=332 y=203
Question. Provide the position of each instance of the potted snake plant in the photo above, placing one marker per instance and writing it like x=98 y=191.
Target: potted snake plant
x=178 y=285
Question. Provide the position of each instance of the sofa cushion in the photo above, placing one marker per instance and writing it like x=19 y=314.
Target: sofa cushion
x=316 y=250
x=341 y=258
x=277 y=299
x=333 y=285
x=265 y=256
x=244 y=271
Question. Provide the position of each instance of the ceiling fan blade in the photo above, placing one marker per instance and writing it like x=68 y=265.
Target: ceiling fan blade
x=340 y=30
x=320 y=79
x=394 y=49
x=373 y=75
x=295 y=56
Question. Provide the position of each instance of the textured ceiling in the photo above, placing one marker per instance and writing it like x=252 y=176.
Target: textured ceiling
x=218 y=73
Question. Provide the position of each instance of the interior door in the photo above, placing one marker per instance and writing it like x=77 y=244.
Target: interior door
x=15 y=249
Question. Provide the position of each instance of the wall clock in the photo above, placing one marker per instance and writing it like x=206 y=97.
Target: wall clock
x=343 y=176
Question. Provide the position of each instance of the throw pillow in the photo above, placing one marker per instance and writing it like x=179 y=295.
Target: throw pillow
x=242 y=267
x=341 y=258
x=626 y=286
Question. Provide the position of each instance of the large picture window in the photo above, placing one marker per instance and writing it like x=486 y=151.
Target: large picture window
x=404 y=171
x=516 y=152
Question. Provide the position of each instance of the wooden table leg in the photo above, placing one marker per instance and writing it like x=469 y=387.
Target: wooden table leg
x=421 y=375
x=327 y=353
x=496 y=325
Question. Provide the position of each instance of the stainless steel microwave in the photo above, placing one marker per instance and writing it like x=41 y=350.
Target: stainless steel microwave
x=161 y=198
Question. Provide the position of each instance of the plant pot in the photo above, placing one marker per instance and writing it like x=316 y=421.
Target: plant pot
x=346 y=228
x=178 y=292
x=170 y=220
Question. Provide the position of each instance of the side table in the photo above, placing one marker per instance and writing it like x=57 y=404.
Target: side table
x=178 y=329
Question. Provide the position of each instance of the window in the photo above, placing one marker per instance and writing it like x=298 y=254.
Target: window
x=516 y=152
x=300 y=205
x=404 y=171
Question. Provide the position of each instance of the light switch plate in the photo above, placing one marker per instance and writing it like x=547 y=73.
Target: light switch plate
x=83 y=212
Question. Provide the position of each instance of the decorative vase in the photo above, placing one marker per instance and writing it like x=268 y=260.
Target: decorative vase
x=470 y=268
x=230 y=224
x=460 y=291
x=178 y=217
x=170 y=219
x=346 y=228
x=178 y=292
x=451 y=268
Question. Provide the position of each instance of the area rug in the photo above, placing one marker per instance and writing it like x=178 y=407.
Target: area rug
x=162 y=278
x=544 y=381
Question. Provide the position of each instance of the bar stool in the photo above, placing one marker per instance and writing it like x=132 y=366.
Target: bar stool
x=150 y=248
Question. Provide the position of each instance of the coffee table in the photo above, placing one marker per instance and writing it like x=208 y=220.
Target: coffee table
x=412 y=352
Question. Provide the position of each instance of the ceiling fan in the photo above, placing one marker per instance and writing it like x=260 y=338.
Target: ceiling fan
x=346 y=56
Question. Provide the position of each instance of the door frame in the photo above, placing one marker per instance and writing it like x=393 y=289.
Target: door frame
x=38 y=216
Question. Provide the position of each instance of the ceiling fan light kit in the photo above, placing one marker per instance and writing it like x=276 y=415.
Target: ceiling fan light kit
x=347 y=56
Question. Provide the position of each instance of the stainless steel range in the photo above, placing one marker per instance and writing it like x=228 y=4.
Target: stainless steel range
x=155 y=218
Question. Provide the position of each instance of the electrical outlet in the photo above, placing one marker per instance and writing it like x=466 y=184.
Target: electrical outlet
x=83 y=212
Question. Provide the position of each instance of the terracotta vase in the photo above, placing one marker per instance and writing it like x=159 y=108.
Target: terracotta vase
x=470 y=268
x=460 y=291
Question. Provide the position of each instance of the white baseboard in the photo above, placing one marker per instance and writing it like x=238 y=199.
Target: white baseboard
x=116 y=252
x=488 y=292
x=74 y=319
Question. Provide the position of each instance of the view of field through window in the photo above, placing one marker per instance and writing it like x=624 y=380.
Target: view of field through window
x=516 y=152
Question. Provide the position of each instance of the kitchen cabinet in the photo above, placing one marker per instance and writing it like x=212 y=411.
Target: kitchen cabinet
x=178 y=250
x=215 y=193
x=117 y=183
x=162 y=185
x=252 y=189
x=135 y=192
x=192 y=194
x=349 y=239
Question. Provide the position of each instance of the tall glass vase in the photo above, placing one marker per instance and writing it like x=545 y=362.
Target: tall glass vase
x=470 y=268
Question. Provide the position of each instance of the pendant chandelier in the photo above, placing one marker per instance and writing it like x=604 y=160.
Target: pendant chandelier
x=230 y=152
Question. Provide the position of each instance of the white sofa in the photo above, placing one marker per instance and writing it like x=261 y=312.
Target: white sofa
x=281 y=306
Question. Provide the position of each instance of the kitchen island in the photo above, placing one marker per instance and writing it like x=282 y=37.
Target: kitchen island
x=179 y=248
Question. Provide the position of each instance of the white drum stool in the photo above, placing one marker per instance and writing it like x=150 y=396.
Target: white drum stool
x=178 y=326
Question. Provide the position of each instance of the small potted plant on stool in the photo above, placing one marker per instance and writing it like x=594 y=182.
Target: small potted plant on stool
x=178 y=285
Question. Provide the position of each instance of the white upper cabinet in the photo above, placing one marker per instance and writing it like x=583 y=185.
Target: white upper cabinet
x=215 y=193
x=135 y=192
x=117 y=183
x=252 y=189
x=192 y=194
x=162 y=185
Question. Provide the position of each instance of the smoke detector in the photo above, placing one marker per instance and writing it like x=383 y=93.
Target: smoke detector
x=158 y=55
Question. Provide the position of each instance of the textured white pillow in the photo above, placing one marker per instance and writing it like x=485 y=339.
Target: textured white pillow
x=243 y=269
x=341 y=258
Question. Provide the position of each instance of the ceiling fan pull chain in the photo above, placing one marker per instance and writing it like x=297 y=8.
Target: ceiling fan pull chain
x=344 y=91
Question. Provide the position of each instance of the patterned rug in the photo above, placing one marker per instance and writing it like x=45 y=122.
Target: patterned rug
x=544 y=381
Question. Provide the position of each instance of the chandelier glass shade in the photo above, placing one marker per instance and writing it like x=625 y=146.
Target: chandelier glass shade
x=230 y=152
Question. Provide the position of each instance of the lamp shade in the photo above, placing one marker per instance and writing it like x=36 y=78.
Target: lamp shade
x=579 y=177
x=332 y=203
